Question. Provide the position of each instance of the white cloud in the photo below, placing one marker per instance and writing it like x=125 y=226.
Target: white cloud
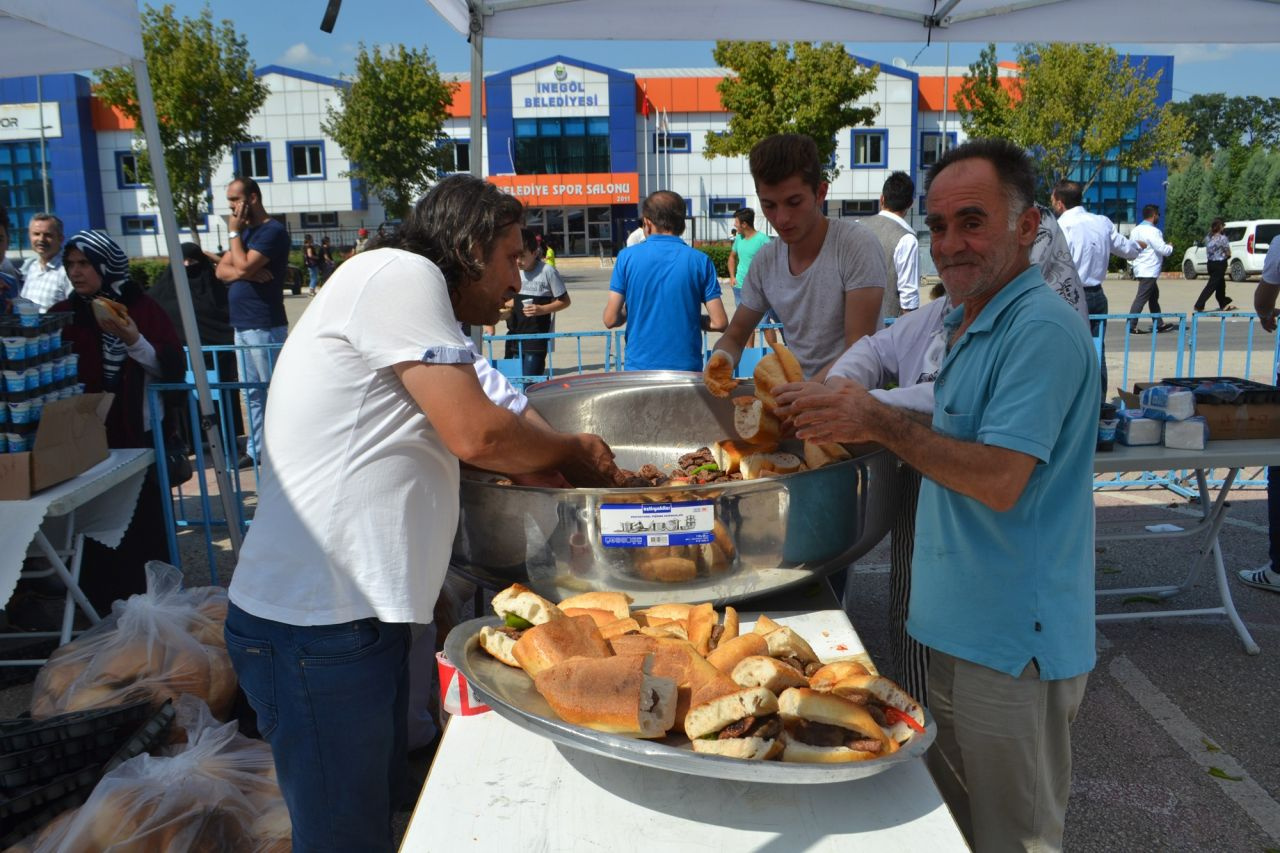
x=301 y=56
x=1188 y=54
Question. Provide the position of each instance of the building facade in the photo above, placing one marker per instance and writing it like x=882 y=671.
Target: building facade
x=581 y=144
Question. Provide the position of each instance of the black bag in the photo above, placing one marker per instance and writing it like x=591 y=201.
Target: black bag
x=176 y=461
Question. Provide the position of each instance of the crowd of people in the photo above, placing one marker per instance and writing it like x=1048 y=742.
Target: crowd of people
x=393 y=397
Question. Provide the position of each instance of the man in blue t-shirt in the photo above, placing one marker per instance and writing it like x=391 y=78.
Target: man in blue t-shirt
x=254 y=267
x=1002 y=587
x=658 y=289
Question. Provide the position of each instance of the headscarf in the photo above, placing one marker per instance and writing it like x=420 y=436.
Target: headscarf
x=112 y=266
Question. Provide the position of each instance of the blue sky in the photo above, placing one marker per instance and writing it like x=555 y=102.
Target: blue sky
x=288 y=33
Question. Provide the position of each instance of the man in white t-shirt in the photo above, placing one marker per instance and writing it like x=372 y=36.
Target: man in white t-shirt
x=824 y=278
x=374 y=401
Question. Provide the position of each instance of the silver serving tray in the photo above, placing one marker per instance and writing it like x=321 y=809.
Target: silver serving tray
x=511 y=695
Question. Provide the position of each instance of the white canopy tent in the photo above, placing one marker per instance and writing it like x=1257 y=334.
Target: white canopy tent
x=1172 y=21
x=43 y=37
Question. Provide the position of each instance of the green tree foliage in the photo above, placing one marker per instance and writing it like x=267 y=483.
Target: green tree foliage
x=1078 y=107
x=205 y=91
x=789 y=88
x=1216 y=121
x=1182 y=223
x=390 y=124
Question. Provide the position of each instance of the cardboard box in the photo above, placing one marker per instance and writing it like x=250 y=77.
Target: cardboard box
x=71 y=439
x=1226 y=422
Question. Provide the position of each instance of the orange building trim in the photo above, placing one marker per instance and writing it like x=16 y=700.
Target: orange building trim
x=680 y=94
x=105 y=117
x=931 y=91
x=461 y=106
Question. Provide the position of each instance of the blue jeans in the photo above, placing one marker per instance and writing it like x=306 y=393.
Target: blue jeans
x=1095 y=299
x=314 y=274
x=332 y=700
x=1273 y=512
x=533 y=363
x=255 y=366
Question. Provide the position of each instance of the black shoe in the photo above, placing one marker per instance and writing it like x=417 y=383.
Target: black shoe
x=1166 y=327
x=245 y=461
x=1136 y=331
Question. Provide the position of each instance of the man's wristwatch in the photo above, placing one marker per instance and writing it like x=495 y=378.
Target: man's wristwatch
x=232 y=235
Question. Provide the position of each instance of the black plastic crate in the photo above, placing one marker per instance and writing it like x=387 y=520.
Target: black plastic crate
x=25 y=734
x=1250 y=392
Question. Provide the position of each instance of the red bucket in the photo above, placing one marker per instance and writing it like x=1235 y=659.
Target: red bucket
x=455 y=694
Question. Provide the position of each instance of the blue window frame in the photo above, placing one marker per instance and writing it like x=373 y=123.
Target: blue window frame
x=674 y=143
x=859 y=207
x=870 y=149
x=202 y=226
x=923 y=211
x=253 y=160
x=306 y=160
x=127 y=177
x=931 y=146
x=139 y=223
x=724 y=208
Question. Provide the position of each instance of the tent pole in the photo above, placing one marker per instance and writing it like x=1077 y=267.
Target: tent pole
x=151 y=126
x=477 y=91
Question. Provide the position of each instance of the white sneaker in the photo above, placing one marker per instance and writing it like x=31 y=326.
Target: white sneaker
x=1262 y=578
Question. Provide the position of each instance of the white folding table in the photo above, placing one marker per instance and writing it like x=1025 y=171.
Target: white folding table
x=1231 y=455
x=98 y=503
x=496 y=786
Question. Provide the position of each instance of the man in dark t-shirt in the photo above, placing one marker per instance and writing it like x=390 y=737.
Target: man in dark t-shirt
x=254 y=267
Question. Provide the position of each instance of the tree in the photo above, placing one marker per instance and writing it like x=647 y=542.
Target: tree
x=390 y=124
x=789 y=88
x=1216 y=121
x=1182 y=198
x=205 y=91
x=1078 y=107
x=1247 y=186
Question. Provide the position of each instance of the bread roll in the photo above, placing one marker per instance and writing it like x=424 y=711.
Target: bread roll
x=826 y=677
x=787 y=361
x=766 y=672
x=818 y=455
x=600 y=617
x=521 y=601
x=712 y=716
x=545 y=645
x=614 y=694
x=619 y=628
x=769 y=374
x=617 y=603
x=727 y=655
x=498 y=644
x=755 y=424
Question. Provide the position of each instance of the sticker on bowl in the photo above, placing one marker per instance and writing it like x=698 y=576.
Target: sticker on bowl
x=654 y=525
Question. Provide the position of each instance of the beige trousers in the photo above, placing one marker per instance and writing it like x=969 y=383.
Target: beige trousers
x=1008 y=742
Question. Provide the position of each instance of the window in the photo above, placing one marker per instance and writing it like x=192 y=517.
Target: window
x=675 y=143
x=725 y=208
x=127 y=174
x=859 y=207
x=459 y=159
x=306 y=161
x=561 y=146
x=254 y=161
x=923 y=212
x=139 y=224
x=320 y=220
x=870 y=149
x=931 y=146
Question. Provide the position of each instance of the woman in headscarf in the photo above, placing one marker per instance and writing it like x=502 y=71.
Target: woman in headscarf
x=120 y=356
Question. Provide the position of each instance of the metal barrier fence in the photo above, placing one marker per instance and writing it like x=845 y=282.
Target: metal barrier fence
x=1196 y=346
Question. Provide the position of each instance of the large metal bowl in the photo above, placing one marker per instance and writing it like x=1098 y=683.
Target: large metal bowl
x=781 y=531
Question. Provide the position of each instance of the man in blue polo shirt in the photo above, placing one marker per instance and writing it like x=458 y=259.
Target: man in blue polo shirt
x=1002 y=591
x=254 y=266
x=658 y=289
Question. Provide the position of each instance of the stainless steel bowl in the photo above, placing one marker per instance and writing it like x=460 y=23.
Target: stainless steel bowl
x=776 y=532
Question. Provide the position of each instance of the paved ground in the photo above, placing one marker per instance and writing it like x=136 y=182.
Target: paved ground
x=1175 y=746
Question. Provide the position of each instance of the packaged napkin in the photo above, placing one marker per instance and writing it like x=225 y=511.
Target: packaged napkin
x=1135 y=430
x=1190 y=434
x=1167 y=403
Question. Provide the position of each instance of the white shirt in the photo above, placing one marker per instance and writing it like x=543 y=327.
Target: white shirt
x=908 y=353
x=45 y=284
x=1150 y=259
x=359 y=497
x=496 y=386
x=636 y=236
x=906 y=262
x=1092 y=238
x=1271 y=264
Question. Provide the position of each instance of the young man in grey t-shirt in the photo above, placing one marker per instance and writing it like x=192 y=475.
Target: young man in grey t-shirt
x=824 y=278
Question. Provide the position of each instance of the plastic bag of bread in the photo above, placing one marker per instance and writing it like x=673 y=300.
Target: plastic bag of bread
x=157 y=645
x=216 y=793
